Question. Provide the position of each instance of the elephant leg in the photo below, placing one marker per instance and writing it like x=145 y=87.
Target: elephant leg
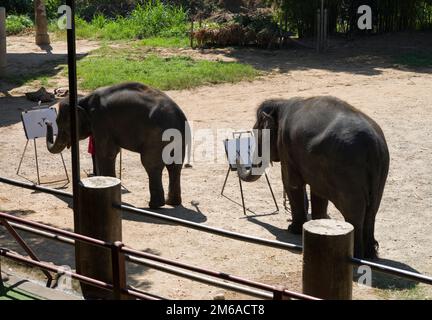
x=106 y=160
x=154 y=172
x=299 y=217
x=319 y=207
x=295 y=189
x=370 y=244
x=174 y=192
x=354 y=213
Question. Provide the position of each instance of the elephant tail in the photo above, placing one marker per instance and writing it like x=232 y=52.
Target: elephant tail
x=378 y=179
x=187 y=145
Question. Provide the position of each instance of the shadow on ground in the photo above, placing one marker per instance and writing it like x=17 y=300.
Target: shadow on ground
x=386 y=281
x=364 y=55
x=21 y=69
x=281 y=234
x=179 y=212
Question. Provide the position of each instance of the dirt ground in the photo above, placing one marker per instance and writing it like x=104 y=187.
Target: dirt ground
x=360 y=72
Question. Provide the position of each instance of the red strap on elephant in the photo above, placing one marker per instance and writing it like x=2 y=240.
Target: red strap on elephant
x=91 y=147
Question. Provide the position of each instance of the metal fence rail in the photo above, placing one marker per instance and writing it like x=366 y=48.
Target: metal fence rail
x=93 y=282
x=265 y=291
x=393 y=271
x=182 y=222
x=132 y=254
x=216 y=231
x=65 y=236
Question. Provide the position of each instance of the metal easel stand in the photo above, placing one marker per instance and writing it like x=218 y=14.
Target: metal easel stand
x=37 y=166
x=241 y=191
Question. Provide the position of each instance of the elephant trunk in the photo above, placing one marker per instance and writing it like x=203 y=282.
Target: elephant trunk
x=60 y=142
x=253 y=172
x=246 y=174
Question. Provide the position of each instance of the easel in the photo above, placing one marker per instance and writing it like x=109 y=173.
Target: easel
x=233 y=167
x=34 y=128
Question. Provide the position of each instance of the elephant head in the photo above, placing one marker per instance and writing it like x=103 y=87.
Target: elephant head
x=266 y=150
x=63 y=139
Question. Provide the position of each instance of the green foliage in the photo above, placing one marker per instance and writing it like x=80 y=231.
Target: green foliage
x=18 y=7
x=152 y=19
x=389 y=15
x=17 y=24
x=109 y=66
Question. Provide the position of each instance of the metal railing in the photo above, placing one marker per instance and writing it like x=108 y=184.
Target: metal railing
x=212 y=230
x=121 y=254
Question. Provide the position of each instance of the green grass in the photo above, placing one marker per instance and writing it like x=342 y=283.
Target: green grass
x=9 y=293
x=171 y=42
x=415 y=293
x=17 y=24
x=416 y=60
x=108 y=66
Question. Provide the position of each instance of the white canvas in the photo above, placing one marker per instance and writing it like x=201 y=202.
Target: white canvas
x=34 y=122
x=243 y=147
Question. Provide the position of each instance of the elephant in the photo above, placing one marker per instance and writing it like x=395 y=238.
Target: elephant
x=134 y=117
x=337 y=150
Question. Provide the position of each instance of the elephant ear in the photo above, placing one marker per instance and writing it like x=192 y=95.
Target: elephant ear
x=267 y=121
x=86 y=106
x=90 y=103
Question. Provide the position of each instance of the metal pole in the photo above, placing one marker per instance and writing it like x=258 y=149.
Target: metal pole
x=318 y=44
x=242 y=197
x=325 y=29
x=73 y=99
x=272 y=193
x=225 y=182
x=118 y=270
x=26 y=248
x=37 y=162
x=2 y=41
x=22 y=157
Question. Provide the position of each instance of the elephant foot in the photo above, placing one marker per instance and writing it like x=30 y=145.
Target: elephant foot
x=295 y=228
x=155 y=204
x=174 y=201
x=371 y=251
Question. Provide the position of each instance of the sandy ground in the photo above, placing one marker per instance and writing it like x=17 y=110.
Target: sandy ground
x=399 y=99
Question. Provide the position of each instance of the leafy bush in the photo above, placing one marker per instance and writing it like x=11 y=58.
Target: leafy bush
x=18 y=7
x=17 y=24
x=152 y=19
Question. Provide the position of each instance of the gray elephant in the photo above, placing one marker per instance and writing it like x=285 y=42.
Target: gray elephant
x=338 y=151
x=134 y=117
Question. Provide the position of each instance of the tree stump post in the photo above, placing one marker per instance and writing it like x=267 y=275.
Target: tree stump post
x=98 y=219
x=41 y=23
x=328 y=246
x=2 y=41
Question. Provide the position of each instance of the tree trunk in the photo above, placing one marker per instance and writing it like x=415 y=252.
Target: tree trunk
x=41 y=22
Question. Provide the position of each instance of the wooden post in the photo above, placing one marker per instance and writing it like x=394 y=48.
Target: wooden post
x=2 y=41
x=97 y=218
x=318 y=31
x=41 y=23
x=325 y=30
x=192 y=34
x=119 y=270
x=327 y=247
